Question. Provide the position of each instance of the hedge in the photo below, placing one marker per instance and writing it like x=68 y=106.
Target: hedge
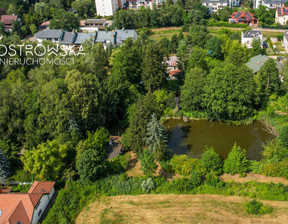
x=226 y=24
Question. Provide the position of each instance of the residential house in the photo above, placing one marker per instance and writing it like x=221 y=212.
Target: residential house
x=53 y=35
x=215 y=5
x=92 y=25
x=172 y=67
x=243 y=17
x=108 y=7
x=271 y=4
x=285 y=40
x=72 y=39
x=7 y=20
x=137 y=4
x=281 y=15
x=249 y=36
x=258 y=61
x=26 y=208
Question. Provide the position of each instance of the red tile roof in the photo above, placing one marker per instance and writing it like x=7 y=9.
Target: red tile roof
x=282 y=11
x=174 y=72
x=17 y=207
x=243 y=16
x=7 y=19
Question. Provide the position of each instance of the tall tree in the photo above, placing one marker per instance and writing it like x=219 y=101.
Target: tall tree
x=269 y=78
x=193 y=89
x=136 y=133
x=5 y=171
x=230 y=92
x=214 y=46
x=156 y=137
x=153 y=74
x=147 y=162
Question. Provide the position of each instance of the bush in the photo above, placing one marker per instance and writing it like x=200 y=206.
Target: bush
x=119 y=164
x=184 y=165
x=213 y=180
x=279 y=37
x=212 y=161
x=147 y=162
x=276 y=169
x=254 y=207
x=195 y=178
x=148 y=185
x=165 y=165
x=226 y=24
x=236 y=161
x=283 y=136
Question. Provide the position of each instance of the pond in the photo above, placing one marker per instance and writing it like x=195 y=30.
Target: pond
x=191 y=138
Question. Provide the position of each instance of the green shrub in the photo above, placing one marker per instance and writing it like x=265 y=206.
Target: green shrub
x=279 y=37
x=255 y=207
x=226 y=24
x=212 y=161
x=196 y=178
x=213 y=180
x=182 y=164
x=283 y=136
x=147 y=162
x=119 y=164
x=148 y=185
x=165 y=165
x=276 y=169
x=236 y=161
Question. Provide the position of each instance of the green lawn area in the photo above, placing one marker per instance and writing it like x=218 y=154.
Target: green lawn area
x=168 y=32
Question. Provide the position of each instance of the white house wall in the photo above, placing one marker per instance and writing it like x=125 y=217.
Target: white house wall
x=42 y=206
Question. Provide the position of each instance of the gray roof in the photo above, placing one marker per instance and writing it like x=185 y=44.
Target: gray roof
x=44 y=34
x=214 y=1
x=95 y=20
x=105 y=37
x=258 y=61
x=275 y=2
x=82 y=37
x=68 y=38
x=125 y=34
x=253 y=33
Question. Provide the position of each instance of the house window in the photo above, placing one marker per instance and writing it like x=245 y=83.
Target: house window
x=40 y=212
x=56 y=39
x=37 y=204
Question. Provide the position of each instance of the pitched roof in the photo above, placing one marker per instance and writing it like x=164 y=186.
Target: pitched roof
x=174 y=73
x=7 y=19
x=243 y=16
x=19 y=207
x=68 y=38
x=125 y=34
x=44 y=34
x=274 y=2
x=258 y=61
x=282 y=11
x=11 y=207
x=82 y=37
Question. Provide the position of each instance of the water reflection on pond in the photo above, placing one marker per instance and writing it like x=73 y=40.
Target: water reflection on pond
x=192 y=137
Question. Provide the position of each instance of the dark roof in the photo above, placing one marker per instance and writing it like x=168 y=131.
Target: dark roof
x=274 y=2
x=282 y=11
x=68 y=38
x=243 y=16
x=258 y=61
x=98 y=21
x=252 y=33
x=81 y=37
x=44 y=34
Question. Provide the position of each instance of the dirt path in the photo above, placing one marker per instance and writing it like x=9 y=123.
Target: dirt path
x=253 y=177
x=179 y=209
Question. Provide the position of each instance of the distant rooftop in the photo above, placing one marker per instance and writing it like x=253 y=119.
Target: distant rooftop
x=44 y=34
x=214 y=1
x=253 y=33
x=274 y=2
x=258 y=61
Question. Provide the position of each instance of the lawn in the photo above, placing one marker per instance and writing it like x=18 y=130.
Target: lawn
x=168 y=32
x=178 y=209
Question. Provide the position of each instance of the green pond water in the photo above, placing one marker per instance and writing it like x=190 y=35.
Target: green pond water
x=192 y=137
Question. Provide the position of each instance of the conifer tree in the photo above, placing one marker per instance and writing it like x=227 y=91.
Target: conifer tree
x=4 y=168
x=156 y=137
